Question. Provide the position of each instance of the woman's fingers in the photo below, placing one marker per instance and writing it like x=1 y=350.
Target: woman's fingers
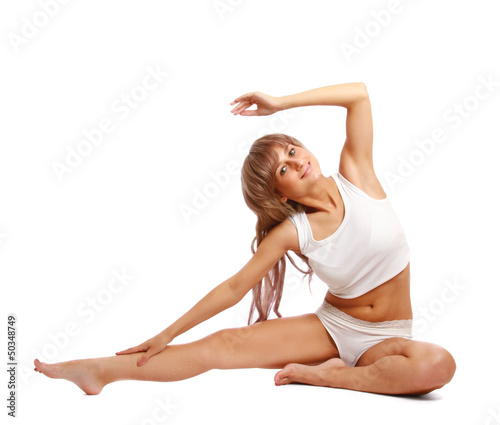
x=250 y=113
x=241 y=102
x=241 y=107
x=145 y=357
x=266 y=105
x=132 y=350
x=245 y=96
x=246 y=100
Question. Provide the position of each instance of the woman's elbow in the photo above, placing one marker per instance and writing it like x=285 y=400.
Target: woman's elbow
x=359 y=94
x=362 y=90
x=236 y=288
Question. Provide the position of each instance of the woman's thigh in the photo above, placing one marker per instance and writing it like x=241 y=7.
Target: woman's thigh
x=270 y=344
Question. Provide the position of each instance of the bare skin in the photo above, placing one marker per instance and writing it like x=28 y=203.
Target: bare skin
x=300 y=346
x=270 y=344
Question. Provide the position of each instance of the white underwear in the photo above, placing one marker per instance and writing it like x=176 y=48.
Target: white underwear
x=354 y=336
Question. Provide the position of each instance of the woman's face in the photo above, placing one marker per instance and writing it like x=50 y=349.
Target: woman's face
x=296 y=172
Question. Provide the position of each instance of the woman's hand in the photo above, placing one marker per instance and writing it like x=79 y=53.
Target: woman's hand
x=266 y=105
x=152 y=347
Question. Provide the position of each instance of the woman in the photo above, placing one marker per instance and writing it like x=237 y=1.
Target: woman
x=345 y=230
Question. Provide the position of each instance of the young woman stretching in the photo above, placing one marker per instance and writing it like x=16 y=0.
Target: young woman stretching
x=346 y=231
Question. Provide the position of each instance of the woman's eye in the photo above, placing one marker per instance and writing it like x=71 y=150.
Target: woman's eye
x=290 y=153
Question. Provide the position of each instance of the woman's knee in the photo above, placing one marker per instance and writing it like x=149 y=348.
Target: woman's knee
x=437 y=367
x=272 y=343
x=231 y=340
x=224 y=347
x=444 y=365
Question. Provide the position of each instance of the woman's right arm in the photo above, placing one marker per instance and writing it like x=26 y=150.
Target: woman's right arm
x=277 y=242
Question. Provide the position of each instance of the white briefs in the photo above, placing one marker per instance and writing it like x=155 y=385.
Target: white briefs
x=354 y=336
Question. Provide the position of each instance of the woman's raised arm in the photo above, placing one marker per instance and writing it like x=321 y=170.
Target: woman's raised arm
x=336 y=95
x=279 y=240
x=357 y=153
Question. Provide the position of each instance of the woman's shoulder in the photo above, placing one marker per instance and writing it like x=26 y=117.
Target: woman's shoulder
x=286 y=231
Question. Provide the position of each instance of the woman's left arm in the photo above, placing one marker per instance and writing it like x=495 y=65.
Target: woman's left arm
x=345 y=95
x=358 y=147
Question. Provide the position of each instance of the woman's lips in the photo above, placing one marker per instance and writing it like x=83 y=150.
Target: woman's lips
x=308 y=170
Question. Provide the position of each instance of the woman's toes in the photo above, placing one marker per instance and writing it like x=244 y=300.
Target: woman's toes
x=281 y=379
x=286 y=375
x=312 y=375
x=38 y=365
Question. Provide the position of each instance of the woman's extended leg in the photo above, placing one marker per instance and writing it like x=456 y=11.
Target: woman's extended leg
x=269 y=344
x=394 y=366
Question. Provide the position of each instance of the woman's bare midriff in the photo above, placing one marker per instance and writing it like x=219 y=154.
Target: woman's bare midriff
x=389 y=301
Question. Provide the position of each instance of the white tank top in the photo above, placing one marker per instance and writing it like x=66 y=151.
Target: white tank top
x=367 y=249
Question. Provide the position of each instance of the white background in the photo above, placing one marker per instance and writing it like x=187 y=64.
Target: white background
x=120 y=208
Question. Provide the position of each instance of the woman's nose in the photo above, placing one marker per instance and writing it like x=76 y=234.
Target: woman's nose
x=299 y=163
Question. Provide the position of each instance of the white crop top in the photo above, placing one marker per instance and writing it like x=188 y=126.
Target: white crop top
x=367 y=249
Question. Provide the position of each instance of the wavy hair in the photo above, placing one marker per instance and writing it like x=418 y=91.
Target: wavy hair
x=258 y=185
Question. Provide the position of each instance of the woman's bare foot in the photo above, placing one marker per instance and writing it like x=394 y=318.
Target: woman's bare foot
x=313 y=375
x=84 y=373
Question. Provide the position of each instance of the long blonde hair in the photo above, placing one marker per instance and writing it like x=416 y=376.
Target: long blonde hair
x=258 y=185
